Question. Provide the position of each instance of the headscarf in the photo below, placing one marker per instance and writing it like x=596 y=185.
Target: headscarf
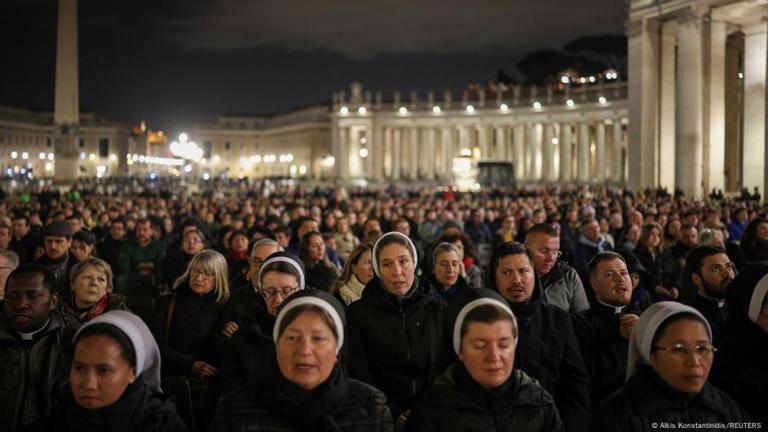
x=641 y=338
x=317 y=298
x=144 y=344
x=374 y=252
x=289 y=258
x=746 y=292
x=465 y=302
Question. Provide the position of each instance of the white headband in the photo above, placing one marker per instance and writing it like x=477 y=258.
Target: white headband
x=375 y=261
x=285 y=260
x=467 y=309
x=315 y=301
x=758 y=297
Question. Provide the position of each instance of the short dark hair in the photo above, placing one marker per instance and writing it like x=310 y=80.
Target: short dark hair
x=49 y=279
x=603 y=256
x=282 y=229
x=543 y=228
x=127 y=350
x=86 y=237
x=506 y=249
x=695 y=258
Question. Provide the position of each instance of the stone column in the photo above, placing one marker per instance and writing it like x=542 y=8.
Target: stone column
x=582 y=167
x=336 y=146
x=690 y=106
x=547 y=158
x=617 y=173
x=431 y=154
x=667 y=105
x=600 y=165
x=414 y=154
x=482 y=142
x=501 y=142
x=376 y=152
x=715 y=150
x=754 y=106
x=397 y=144
x=520 y=167
x=343 y=159
x=643 y=93
x=447 y=147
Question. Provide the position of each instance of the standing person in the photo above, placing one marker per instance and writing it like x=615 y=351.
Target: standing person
x=114 y=381
x=396 y=327
x=741 y=363
x=548 y=349
x=603 y=330
x=57 y=239
x=560 y=282
x=357 y=272
x=305 y=388
x=670 y=356
x=33 y=347
x=711 y=271
x=483 y=384
x=321 y=272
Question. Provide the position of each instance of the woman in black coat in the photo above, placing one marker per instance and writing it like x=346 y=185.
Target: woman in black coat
x=128 y=397
x=484 y=386
x=446 y=279
x=304 y=388
x=741 y=363
x=670 y=355
x=396 y=327
x=321 y=272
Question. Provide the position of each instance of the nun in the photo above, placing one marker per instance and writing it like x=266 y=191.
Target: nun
x=114 y=381
x=305 y=388
x=483 y=384
x=396 y=327
x=741 y=364
x=670 y=356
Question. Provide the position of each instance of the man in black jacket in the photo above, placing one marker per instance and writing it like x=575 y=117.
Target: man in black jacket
x=603 y=330
x=710 y=270
x=57 y=239
x=547 y=348
x=33 y=343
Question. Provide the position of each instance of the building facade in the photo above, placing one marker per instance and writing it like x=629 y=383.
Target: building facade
x=697 y=91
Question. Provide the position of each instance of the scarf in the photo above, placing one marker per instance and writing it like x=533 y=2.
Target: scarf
x=493 y=400
x=90 y=312
x=352 y=290
x=317 y=408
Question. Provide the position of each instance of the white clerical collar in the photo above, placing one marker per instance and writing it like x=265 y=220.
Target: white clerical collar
x=616 y=309
x=31 y=335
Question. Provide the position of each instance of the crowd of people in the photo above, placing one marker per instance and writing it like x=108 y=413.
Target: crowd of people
x=282 y=308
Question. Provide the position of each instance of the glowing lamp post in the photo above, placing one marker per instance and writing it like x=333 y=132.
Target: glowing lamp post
x=186 y=149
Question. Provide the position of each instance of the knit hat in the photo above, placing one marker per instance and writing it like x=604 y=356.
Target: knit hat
x=375 y=251
x=746 y=292
x=58 y=229
x=289 y=258
x=144 y=344
x=464 y=302
x=316 y=298
x=641 y=338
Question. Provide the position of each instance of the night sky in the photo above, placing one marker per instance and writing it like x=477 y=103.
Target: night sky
x=175 y=63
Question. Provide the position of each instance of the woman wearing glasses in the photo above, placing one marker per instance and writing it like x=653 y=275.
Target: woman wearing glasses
x=670 y=356
x=446 y=278
x=249 y=350
x=186 y=326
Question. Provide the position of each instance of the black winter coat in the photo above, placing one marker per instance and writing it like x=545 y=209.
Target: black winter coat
x=714 y=313
x=394 y=343
x=138 y=410
x=32 y=373
x=548 y=351
x=247 y=409
x=194 y=331
x=445 y=408
x=646 y=400
x=321 y=277
x=603 y=349
x=242 y=304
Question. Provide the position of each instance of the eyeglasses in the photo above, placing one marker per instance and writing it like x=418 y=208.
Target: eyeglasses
x=447 y=265
x=547 y=252
x=195 y=272
x=283 y=291
x=255 y=261
x=680 y=350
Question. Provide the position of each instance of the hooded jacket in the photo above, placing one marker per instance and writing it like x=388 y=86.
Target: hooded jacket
x=394 y=343
x=32 y=372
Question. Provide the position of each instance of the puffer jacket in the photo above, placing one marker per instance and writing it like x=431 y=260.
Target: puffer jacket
x=563 y=288
x=647 y=402
x=394 y=343
x=32 y=373
x=530 y=408
x=247 y=410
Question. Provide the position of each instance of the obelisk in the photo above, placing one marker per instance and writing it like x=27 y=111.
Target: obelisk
x=66 y=112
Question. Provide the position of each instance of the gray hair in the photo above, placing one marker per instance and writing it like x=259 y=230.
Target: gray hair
x=708 y=236
x=441 y=248
x=266 y=242
x=11 y=257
